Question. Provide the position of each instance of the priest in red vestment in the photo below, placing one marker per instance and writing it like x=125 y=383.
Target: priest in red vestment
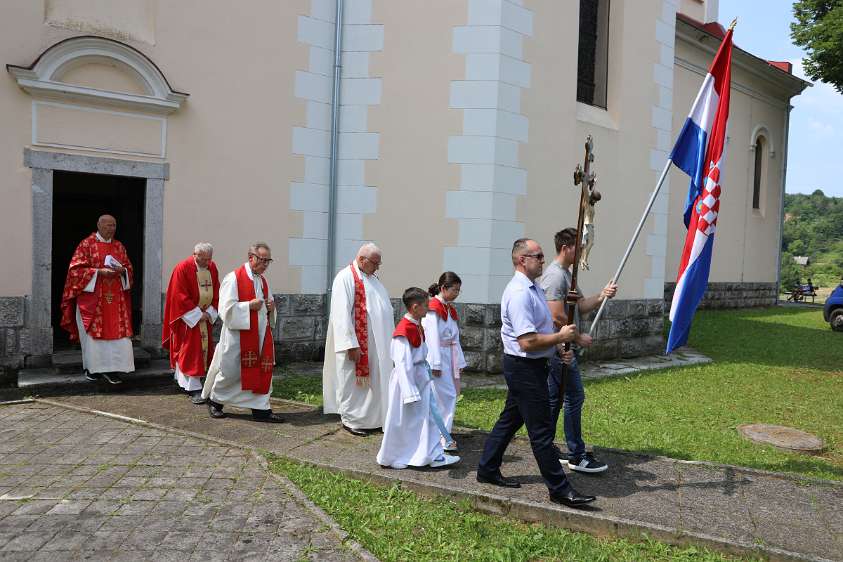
x=190 y=311
x=96 y=306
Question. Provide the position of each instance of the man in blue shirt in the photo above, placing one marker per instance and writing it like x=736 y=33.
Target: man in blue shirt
x=529 y=340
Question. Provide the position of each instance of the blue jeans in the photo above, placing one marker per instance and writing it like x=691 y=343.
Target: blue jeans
x=573 y=398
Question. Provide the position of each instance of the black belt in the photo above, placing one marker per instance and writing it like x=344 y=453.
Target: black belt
x=529 y=360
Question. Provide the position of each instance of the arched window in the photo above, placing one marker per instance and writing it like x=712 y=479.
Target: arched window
x=593 y=52
x=758 y=176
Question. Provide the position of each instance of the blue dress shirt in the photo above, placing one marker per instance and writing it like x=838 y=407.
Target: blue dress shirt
x=524 y=310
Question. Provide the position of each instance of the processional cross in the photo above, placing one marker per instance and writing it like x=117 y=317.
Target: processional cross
x=584 y=177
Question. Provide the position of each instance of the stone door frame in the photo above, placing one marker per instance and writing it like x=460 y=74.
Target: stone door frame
x=43 y=164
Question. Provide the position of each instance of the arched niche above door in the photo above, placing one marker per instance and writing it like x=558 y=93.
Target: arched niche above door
x=45 y=77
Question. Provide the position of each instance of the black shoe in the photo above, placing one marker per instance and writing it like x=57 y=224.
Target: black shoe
x=571 y=498
x=498 y=480
x=374 y=430
x=357 y=432
x=112 y=378
x=93 y=377
x=270 y=418
x=196 y=397
x=215 y=410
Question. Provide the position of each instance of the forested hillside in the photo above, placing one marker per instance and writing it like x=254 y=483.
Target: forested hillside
x=813 y=227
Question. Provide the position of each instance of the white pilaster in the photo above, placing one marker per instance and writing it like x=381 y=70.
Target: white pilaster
x=491 y=179
x=661 y=119
x=359 y=91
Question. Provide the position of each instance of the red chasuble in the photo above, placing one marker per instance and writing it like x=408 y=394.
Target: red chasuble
x=443 y=309
x=255 y=367
x=185 y=343
x=107 y=312
x=410 y=330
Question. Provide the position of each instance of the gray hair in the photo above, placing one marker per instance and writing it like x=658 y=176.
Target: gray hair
x=203 y=248
x=368 y=250
x=519 y=248
x=253 y=249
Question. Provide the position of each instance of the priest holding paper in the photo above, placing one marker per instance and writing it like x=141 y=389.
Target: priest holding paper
x=240 y=374
x=96 y=306
x=190 y=312
x=355 y=377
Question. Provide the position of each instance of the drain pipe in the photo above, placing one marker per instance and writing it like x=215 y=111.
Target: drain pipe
x=781 y=201
x=335 y=133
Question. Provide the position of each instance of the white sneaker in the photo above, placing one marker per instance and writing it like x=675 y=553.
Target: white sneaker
x=445 y=460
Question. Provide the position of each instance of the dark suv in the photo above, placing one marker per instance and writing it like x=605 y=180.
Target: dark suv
x=833 y=310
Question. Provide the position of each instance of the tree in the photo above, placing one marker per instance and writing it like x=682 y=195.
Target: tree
x=819 y=29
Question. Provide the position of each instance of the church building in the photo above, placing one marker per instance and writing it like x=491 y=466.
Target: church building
x=458 y=127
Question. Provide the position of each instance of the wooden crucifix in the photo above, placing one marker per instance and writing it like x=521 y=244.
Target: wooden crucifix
x=584 y=177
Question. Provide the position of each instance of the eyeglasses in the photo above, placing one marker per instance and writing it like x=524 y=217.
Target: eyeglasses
x=373 y=262
x=267 y=261
x=539 y=256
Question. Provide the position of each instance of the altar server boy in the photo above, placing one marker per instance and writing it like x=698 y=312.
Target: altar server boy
x=414 y=426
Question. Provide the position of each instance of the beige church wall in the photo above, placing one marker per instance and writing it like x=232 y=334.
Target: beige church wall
x=126 y=20
x=746 y=241
x=623 y=138
x=82 y=127
x=229 y=146
x=414 y=121
x=23 y=37
x=111 y=77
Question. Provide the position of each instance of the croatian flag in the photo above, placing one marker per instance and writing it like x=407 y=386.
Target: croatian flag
x=699 y=152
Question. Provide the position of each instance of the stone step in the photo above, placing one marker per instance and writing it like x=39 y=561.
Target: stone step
x=45 y=381
x=70 y=361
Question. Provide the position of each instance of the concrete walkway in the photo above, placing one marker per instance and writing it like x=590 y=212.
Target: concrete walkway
x=735 y=510
x=77 y=486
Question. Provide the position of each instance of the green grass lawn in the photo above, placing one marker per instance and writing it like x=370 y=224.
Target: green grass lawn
x=779 y=365
x=396 y=524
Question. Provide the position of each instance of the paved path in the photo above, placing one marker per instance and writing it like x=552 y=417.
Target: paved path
x=77 y=486
x=724 y=507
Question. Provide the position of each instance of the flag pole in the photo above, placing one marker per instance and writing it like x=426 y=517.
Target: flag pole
x=632 y=242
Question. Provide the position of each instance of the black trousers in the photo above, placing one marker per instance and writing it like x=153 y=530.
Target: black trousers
x=527 y=402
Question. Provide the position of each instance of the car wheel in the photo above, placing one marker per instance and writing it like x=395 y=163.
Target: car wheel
x=836 y=320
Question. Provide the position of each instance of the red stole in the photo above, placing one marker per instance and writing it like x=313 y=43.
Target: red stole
x=255 y=367
x=410 y=330
x=442 y=309
x=184 y=343
x=107 y=312
x=361 y=324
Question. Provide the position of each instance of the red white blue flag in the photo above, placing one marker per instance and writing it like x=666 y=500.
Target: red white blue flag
x=699 y=152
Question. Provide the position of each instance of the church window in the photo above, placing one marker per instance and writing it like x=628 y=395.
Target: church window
x=758 y=175
x=593 y=52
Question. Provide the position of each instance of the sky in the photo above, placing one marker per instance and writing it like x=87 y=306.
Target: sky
x=816 y=121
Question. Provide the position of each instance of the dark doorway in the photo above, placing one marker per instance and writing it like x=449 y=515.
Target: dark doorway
x=78 y=201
